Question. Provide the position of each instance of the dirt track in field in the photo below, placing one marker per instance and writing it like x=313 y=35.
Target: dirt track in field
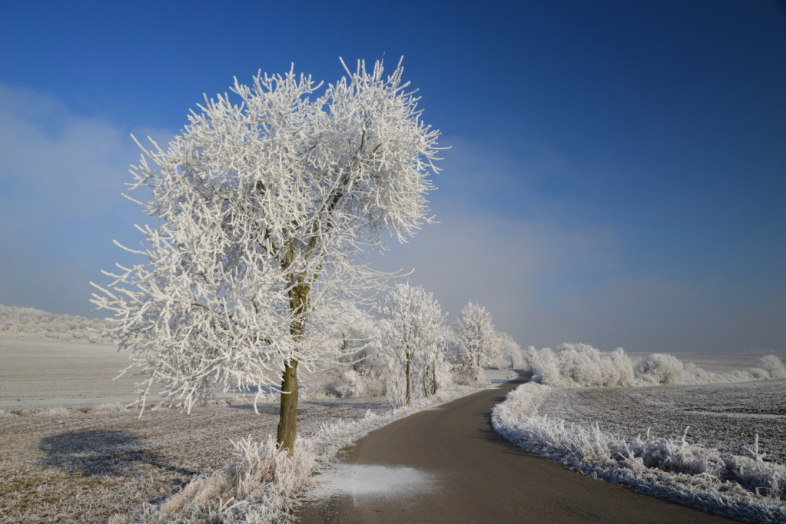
x=472 y=475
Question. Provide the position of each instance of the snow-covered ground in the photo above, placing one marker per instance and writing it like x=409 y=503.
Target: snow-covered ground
x=70 y=451
x=722 y=416
x=717 y=447
x=39 y=375
x=71 y=465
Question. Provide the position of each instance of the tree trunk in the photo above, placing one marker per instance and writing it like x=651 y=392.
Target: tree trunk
x=287 y=422
x=434 y=379
x=409 y=366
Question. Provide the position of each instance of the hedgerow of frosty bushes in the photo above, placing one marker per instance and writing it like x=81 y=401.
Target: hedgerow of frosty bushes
x=741 y=487
x=584 y=366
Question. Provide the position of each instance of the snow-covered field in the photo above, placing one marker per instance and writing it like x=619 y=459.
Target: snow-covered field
x=71 y=465
x=722 y=416
x=719 y=447
x=40 y=375
x=70 y=451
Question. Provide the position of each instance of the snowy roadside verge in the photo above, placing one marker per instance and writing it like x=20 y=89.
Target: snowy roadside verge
x=741 y=487
x=261 y=485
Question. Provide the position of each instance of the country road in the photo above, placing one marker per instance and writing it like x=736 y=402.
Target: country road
x=447 y=465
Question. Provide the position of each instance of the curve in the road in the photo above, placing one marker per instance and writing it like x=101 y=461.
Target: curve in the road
x=484 y=478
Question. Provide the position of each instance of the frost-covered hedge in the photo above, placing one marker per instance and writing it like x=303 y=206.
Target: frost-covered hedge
x=34 y=324
x=584 y=366
x=742 y=487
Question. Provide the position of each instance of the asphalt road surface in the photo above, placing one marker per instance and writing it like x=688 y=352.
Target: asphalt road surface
x=472 y=475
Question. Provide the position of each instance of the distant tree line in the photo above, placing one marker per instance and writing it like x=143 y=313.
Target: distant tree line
x=33 y=324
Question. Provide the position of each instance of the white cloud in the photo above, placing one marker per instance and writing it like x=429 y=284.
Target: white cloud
x=60 y=208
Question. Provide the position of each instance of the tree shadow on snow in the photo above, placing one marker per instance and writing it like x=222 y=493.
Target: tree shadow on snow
x=101 y=452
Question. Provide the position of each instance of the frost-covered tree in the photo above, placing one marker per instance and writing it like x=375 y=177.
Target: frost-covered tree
x=510 y=352
x=435 y=371
x=476 y=339
x=265 y=205
x=414 y=325
x=365 y=368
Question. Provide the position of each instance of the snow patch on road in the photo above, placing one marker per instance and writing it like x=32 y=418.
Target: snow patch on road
x=358 y=480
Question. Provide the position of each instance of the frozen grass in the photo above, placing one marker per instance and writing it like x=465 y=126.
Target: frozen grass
x=744 y=487
x=726 y=417
x=82 y=465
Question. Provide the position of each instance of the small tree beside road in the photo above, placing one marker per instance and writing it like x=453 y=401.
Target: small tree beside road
x=477 y=341
x=415 y=325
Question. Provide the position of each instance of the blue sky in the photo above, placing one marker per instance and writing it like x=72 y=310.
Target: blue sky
x=617 y=171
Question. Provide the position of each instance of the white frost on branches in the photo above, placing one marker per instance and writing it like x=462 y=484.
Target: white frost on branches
x=414 y=327
x=511 y=354
x=477 y=342
x=264 y=206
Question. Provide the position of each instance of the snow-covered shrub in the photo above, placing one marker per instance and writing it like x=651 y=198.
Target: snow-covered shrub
x=773 y=366
x=759 y=374
x=351 y=385
x=578 y=363
x=619 y=370
x=460 y=372
x=659 y=369
x=583 y=365
x=546 y=368
x=364 y=368
x=694 y=375
x=742 y=487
